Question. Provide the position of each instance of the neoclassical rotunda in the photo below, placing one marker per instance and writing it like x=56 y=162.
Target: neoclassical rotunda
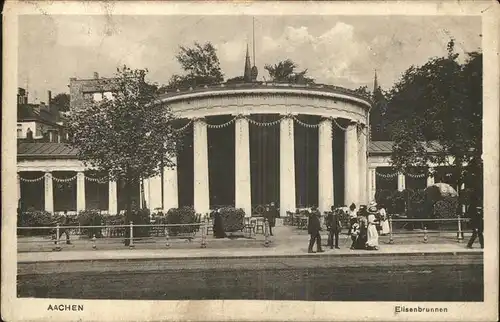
x=250 y=143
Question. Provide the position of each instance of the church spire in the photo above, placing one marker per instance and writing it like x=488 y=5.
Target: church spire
x=375 y=83
x=248 y=68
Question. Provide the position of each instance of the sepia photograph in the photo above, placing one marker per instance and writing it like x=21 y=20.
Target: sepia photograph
x=252 y=155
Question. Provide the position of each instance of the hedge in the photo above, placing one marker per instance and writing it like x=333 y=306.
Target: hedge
x=233 y=219
x=446 y=208
x=36 y=219
x=184 y=215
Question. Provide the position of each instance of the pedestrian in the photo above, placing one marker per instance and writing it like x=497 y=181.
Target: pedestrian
x=64 y=221
x=384 y=220
x=352 y=214
x=334 y=226
x=355 y=233
x=218 y=228
x=363 y=227
x=372 y=234
x=477 y=223
x=314 y=228
x=271 y=215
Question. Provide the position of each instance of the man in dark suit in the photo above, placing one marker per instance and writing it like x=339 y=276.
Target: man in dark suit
x=271 y=214
x=334 y=226
x=477 y=223
x=313 y=228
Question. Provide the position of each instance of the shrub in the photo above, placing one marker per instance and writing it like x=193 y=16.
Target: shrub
x=141 y=217
x=35 y=219
x=184 y=215
x=232 y=218
x=383 y=196
x=398 y=201
x=91 y=218
x=446 y=208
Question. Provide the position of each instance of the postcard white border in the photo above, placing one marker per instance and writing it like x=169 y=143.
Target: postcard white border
x=14 y=309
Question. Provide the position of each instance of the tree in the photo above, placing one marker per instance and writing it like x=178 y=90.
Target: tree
x=201 y=65
x=285 y=71
x=379 y=121
x=61 y=100
x=129 y=137
x=438 y=106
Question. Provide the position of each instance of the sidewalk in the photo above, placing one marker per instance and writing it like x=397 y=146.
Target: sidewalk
x=199 y=253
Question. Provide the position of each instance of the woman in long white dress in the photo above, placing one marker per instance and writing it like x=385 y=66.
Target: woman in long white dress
x=385 y=221
x=372 y=234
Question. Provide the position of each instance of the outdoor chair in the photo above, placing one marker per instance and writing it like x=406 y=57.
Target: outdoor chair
x=259 y=225
x=210 y=227
x=288 y=219
x=249 y=226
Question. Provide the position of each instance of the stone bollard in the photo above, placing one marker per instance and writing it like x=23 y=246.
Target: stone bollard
x=131 y=245
x=167 y=237
x=204 y=230
x=94 y=247
x=266 y=233
x=391 y=240
x=460 y=233
x=425 y=235
x=57 y=247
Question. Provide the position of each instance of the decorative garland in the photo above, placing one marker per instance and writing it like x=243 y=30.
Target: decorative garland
x=386 y=176
x=64 y=180
x=31 y=180
x=184 y=127
x=272 y=123
x=310 y=126
x=416 y=176
x=220 y=126
x=98 y=180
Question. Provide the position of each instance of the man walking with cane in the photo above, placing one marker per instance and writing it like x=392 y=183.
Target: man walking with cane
x=477 y=223
x=313 y=228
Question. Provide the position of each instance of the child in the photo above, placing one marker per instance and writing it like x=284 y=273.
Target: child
x=355 y=230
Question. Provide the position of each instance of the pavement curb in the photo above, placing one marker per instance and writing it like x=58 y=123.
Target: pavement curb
x=223 y=257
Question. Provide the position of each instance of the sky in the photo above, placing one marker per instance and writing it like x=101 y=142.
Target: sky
x=338 y=50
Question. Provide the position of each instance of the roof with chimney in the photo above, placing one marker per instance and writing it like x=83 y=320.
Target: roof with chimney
x=38 y=113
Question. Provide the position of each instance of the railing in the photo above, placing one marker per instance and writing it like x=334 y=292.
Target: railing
x=402 y=226
x=424 y=225
x=131 y=232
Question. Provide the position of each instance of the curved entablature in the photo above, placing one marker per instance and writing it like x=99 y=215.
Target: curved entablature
x=266 y=99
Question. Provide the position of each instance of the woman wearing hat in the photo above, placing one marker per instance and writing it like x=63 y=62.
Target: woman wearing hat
x=372 y=234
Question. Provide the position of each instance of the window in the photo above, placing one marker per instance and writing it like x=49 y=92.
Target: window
x=97 y=97
x=19 y=131
x=108 y=95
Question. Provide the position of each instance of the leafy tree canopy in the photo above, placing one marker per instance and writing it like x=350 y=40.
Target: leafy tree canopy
x=285 y=71
x=127 y=137
x=201 y=65
x=438 y=105
x=62 y=101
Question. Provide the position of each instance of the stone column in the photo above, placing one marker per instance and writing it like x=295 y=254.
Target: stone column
x=363 y=164
x=49 y=193
x=401 y=182
x=325 y=166
x=147 y=195
x=201 y=186
x=243 y=193
x=113 y=198
x=170 y=187
x=351 y=166
x=287 y=167
x=372 y=183
x=430 y=180
x=154 y=192
x=18 y=187
x=80 y=191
